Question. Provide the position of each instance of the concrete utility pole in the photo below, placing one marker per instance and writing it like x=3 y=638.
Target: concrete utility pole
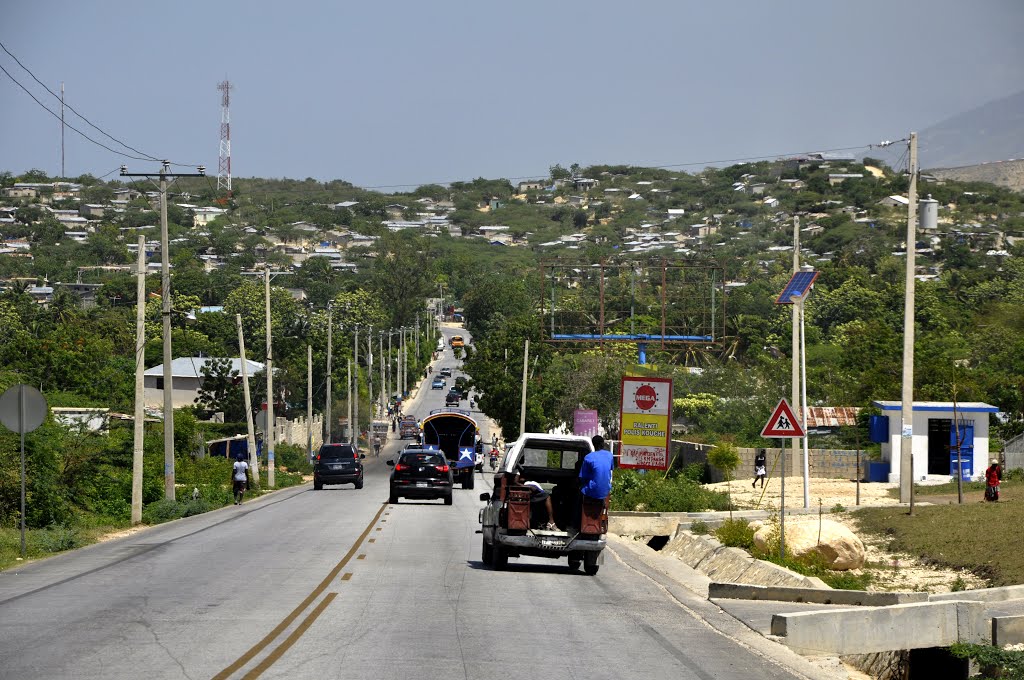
x=383 y=377
x=270 y=384
x=389 y=377
x=907 y=406
x=250 y=429
x=355 y=390
x=369 y=372
x=327 y=405
x=417 y=354
x=309 y=401
x=348 y=387
x=522 y=403
x=165 y=294
x=140 y=368
x=796 y=343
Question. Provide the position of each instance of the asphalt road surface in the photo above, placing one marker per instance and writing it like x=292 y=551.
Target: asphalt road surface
x=339 y=584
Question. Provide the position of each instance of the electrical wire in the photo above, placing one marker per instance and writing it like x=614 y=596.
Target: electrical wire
x=73 y=110
x=57 y=116
x=320 y=190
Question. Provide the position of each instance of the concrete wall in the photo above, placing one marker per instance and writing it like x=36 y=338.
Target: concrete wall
x=823 y=463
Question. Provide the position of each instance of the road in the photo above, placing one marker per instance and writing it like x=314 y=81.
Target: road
x=339 y=584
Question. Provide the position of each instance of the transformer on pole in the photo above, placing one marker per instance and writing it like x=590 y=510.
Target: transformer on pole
x=224 y=161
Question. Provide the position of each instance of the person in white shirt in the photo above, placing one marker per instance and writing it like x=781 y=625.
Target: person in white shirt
x=239 y=479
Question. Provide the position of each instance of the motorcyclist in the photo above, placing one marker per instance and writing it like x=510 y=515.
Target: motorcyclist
x=494 y=458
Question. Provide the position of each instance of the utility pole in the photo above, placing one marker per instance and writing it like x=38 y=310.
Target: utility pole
x=390 y=373
x=62 y=175
x=250 y=430
x=383 y=377
x=355 y=390
x=270 y=382
x=907 y=405
x=796 y=342
x=309 y=401
x=140 y=367
x=327 y=405
x=165 y=294
x=522 y=404
x=369 y=372
x=348 y=386
x=417 y=354
x=405 y=363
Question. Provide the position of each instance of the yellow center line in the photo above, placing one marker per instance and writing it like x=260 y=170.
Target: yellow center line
x=287 y=621
x=290 y=640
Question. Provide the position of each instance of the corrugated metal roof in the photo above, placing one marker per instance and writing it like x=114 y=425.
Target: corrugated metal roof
x=832 y=416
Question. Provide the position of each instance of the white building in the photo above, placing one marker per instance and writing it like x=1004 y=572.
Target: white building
x=934 y=447
x=186 y=379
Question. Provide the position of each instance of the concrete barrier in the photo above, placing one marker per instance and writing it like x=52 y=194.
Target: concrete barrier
x=707 y=555
x=1007 y=630
x=982 y=595
x=860 y=598
x=865 y=630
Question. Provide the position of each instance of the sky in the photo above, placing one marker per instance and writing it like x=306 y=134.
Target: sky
x=391 y=95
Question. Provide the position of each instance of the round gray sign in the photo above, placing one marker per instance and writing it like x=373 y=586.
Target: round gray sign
x=10 y=408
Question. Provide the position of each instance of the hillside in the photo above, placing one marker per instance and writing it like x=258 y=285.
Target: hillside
x=1009 y=174
x=992 y=131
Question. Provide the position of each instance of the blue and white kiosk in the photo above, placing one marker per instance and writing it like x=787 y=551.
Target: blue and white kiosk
x=935 y=437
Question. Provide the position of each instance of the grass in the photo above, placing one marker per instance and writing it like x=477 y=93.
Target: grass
x=90 y=528
x=976 y=536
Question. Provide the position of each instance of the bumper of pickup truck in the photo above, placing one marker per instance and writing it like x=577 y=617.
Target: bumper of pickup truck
x=552 y=542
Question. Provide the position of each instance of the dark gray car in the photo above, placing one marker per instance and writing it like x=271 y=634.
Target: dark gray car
x=338 y=464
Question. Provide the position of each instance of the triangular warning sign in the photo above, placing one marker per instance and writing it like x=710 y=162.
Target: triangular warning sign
x=783 y=423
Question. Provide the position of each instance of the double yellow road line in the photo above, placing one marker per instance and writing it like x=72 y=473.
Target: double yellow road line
x=285 y=645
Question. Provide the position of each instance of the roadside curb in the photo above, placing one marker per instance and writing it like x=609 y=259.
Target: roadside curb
x=689 y=590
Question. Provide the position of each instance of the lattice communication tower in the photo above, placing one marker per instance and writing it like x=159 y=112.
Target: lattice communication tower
x=224 y=161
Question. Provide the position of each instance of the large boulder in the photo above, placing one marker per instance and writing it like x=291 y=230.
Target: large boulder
x=838 y=546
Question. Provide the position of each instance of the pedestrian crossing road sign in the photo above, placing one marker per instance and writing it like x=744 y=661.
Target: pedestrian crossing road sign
x=783 y=423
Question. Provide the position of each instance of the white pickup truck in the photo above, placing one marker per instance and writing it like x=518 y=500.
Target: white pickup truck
x=515 y=520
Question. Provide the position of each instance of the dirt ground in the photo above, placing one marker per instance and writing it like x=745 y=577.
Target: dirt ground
x=890 y=571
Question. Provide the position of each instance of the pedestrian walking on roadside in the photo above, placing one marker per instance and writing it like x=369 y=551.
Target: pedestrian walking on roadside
x=760 y=468
x=993 y=475
x=239 y=479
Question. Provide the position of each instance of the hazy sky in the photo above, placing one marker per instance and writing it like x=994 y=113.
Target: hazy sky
x=396 y=93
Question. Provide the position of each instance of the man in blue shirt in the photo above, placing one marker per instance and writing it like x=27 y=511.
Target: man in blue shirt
x=596 y=471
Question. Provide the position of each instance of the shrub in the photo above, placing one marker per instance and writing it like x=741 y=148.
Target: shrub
x=58 y=538
x=695 y=472
x=161 y=511
x=294 y=458
x=655 y=493
x=735 y=533
x=699 y=527
x=838 y=508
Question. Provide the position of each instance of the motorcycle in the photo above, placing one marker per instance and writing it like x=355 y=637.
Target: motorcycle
x=494 y=460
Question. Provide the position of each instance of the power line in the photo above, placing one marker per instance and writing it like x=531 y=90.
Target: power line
x=71 y=108
x=144 y=155
x=659 y=166
x=57 y=116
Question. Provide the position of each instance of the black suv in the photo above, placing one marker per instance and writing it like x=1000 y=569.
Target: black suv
x=421 y=473
x=453 y=398
x=338 y=464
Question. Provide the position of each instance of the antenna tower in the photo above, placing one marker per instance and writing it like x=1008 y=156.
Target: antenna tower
x=224 y=162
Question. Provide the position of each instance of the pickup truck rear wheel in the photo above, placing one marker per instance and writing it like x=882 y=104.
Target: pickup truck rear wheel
x=590 y=565
x=499 y=558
